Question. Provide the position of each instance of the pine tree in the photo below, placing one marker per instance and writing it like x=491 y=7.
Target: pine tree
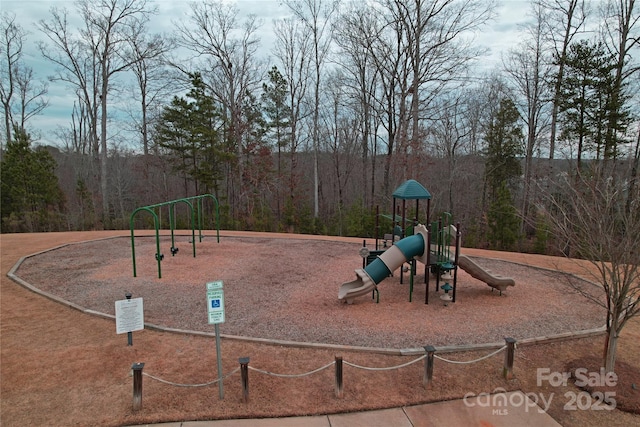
x=278 y=123
x=503 y=220
x=187 y=130
x=31 y=197
x=577 y=106
x=504 y=140
x=588 y=109
x=278 y=112
x=86 y=207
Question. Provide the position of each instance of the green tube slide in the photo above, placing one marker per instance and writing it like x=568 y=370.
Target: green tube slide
x=395 y=256
x=377 y=270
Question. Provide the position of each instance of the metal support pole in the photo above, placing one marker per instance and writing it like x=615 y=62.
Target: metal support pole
x=412 y=267
x=377 y=228
x=427 y=267
x=219 y=357
x=364 y=258
x=172 y=225
x=129 y=334
x=456 y=261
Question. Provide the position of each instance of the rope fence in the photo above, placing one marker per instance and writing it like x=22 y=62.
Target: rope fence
x=389 y=368
x=428 y=357
x=461 y=362
x=191 y=385
x=304 y=374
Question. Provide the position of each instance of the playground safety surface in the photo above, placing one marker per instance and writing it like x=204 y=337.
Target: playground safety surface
x=286 y=290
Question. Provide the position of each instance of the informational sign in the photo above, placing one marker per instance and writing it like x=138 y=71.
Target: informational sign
x=215 y=310
x=215 y=302
x=129 y=315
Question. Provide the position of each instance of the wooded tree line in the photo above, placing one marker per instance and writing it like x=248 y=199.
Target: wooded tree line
x=352 y=100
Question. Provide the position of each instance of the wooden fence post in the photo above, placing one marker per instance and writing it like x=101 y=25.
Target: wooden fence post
x=339 y=384
x=428 y=366
x=244 y=377
x=507 y=371
x=137 y=385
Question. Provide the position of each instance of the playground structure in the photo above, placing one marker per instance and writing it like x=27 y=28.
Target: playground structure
x=193 y=214
x=432 y=247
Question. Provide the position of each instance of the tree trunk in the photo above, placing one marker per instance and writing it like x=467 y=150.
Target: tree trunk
x=104 y=159
x=611 y=345
x=634 y=175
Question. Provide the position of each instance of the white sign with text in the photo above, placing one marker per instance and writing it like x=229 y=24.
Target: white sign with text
x=215 y=302
x=129 y=315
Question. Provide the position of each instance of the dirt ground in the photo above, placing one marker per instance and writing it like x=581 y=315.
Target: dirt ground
x=60 y=366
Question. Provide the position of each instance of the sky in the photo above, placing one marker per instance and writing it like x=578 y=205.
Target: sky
x=499 y=37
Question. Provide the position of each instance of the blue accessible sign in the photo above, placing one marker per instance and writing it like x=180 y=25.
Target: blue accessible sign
x=215 y=302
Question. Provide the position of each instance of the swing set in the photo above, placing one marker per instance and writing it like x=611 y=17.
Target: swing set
x=193 y=214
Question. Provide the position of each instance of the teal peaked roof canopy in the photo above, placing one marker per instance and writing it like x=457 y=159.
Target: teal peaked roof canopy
x=411 y=190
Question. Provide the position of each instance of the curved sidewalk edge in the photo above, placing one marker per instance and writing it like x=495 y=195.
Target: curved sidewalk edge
x=500 y=410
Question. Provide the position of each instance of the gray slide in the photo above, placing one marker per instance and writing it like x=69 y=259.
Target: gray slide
x=495 y=281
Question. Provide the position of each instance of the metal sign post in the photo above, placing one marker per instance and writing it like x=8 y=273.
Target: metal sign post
x=128 y=295
x=215 y=308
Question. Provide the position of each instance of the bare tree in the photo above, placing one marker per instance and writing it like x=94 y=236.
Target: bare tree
x=385 y=45
x=229 y=50
x=528 y=67
x=620 y=33
x=12 y=41
x=438 y=51
x=155 y=83
x=153 y=78
x=633 y=176
x=123 y=178
x=78 y=170
x=90 y=59
x=293 y=49
x=487 y=99
x=21 y=97
x=451 y=132
x=316 y=16
x=338 y=126
x=587 y=213
x=419 y=48
x=31 y=96
x=77 y=67
x=564 y=19
x=358 y=64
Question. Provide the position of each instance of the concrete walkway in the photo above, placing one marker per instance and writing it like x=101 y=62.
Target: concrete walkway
x=512 y=409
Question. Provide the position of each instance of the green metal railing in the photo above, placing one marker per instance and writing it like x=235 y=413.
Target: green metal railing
x=441 y=232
